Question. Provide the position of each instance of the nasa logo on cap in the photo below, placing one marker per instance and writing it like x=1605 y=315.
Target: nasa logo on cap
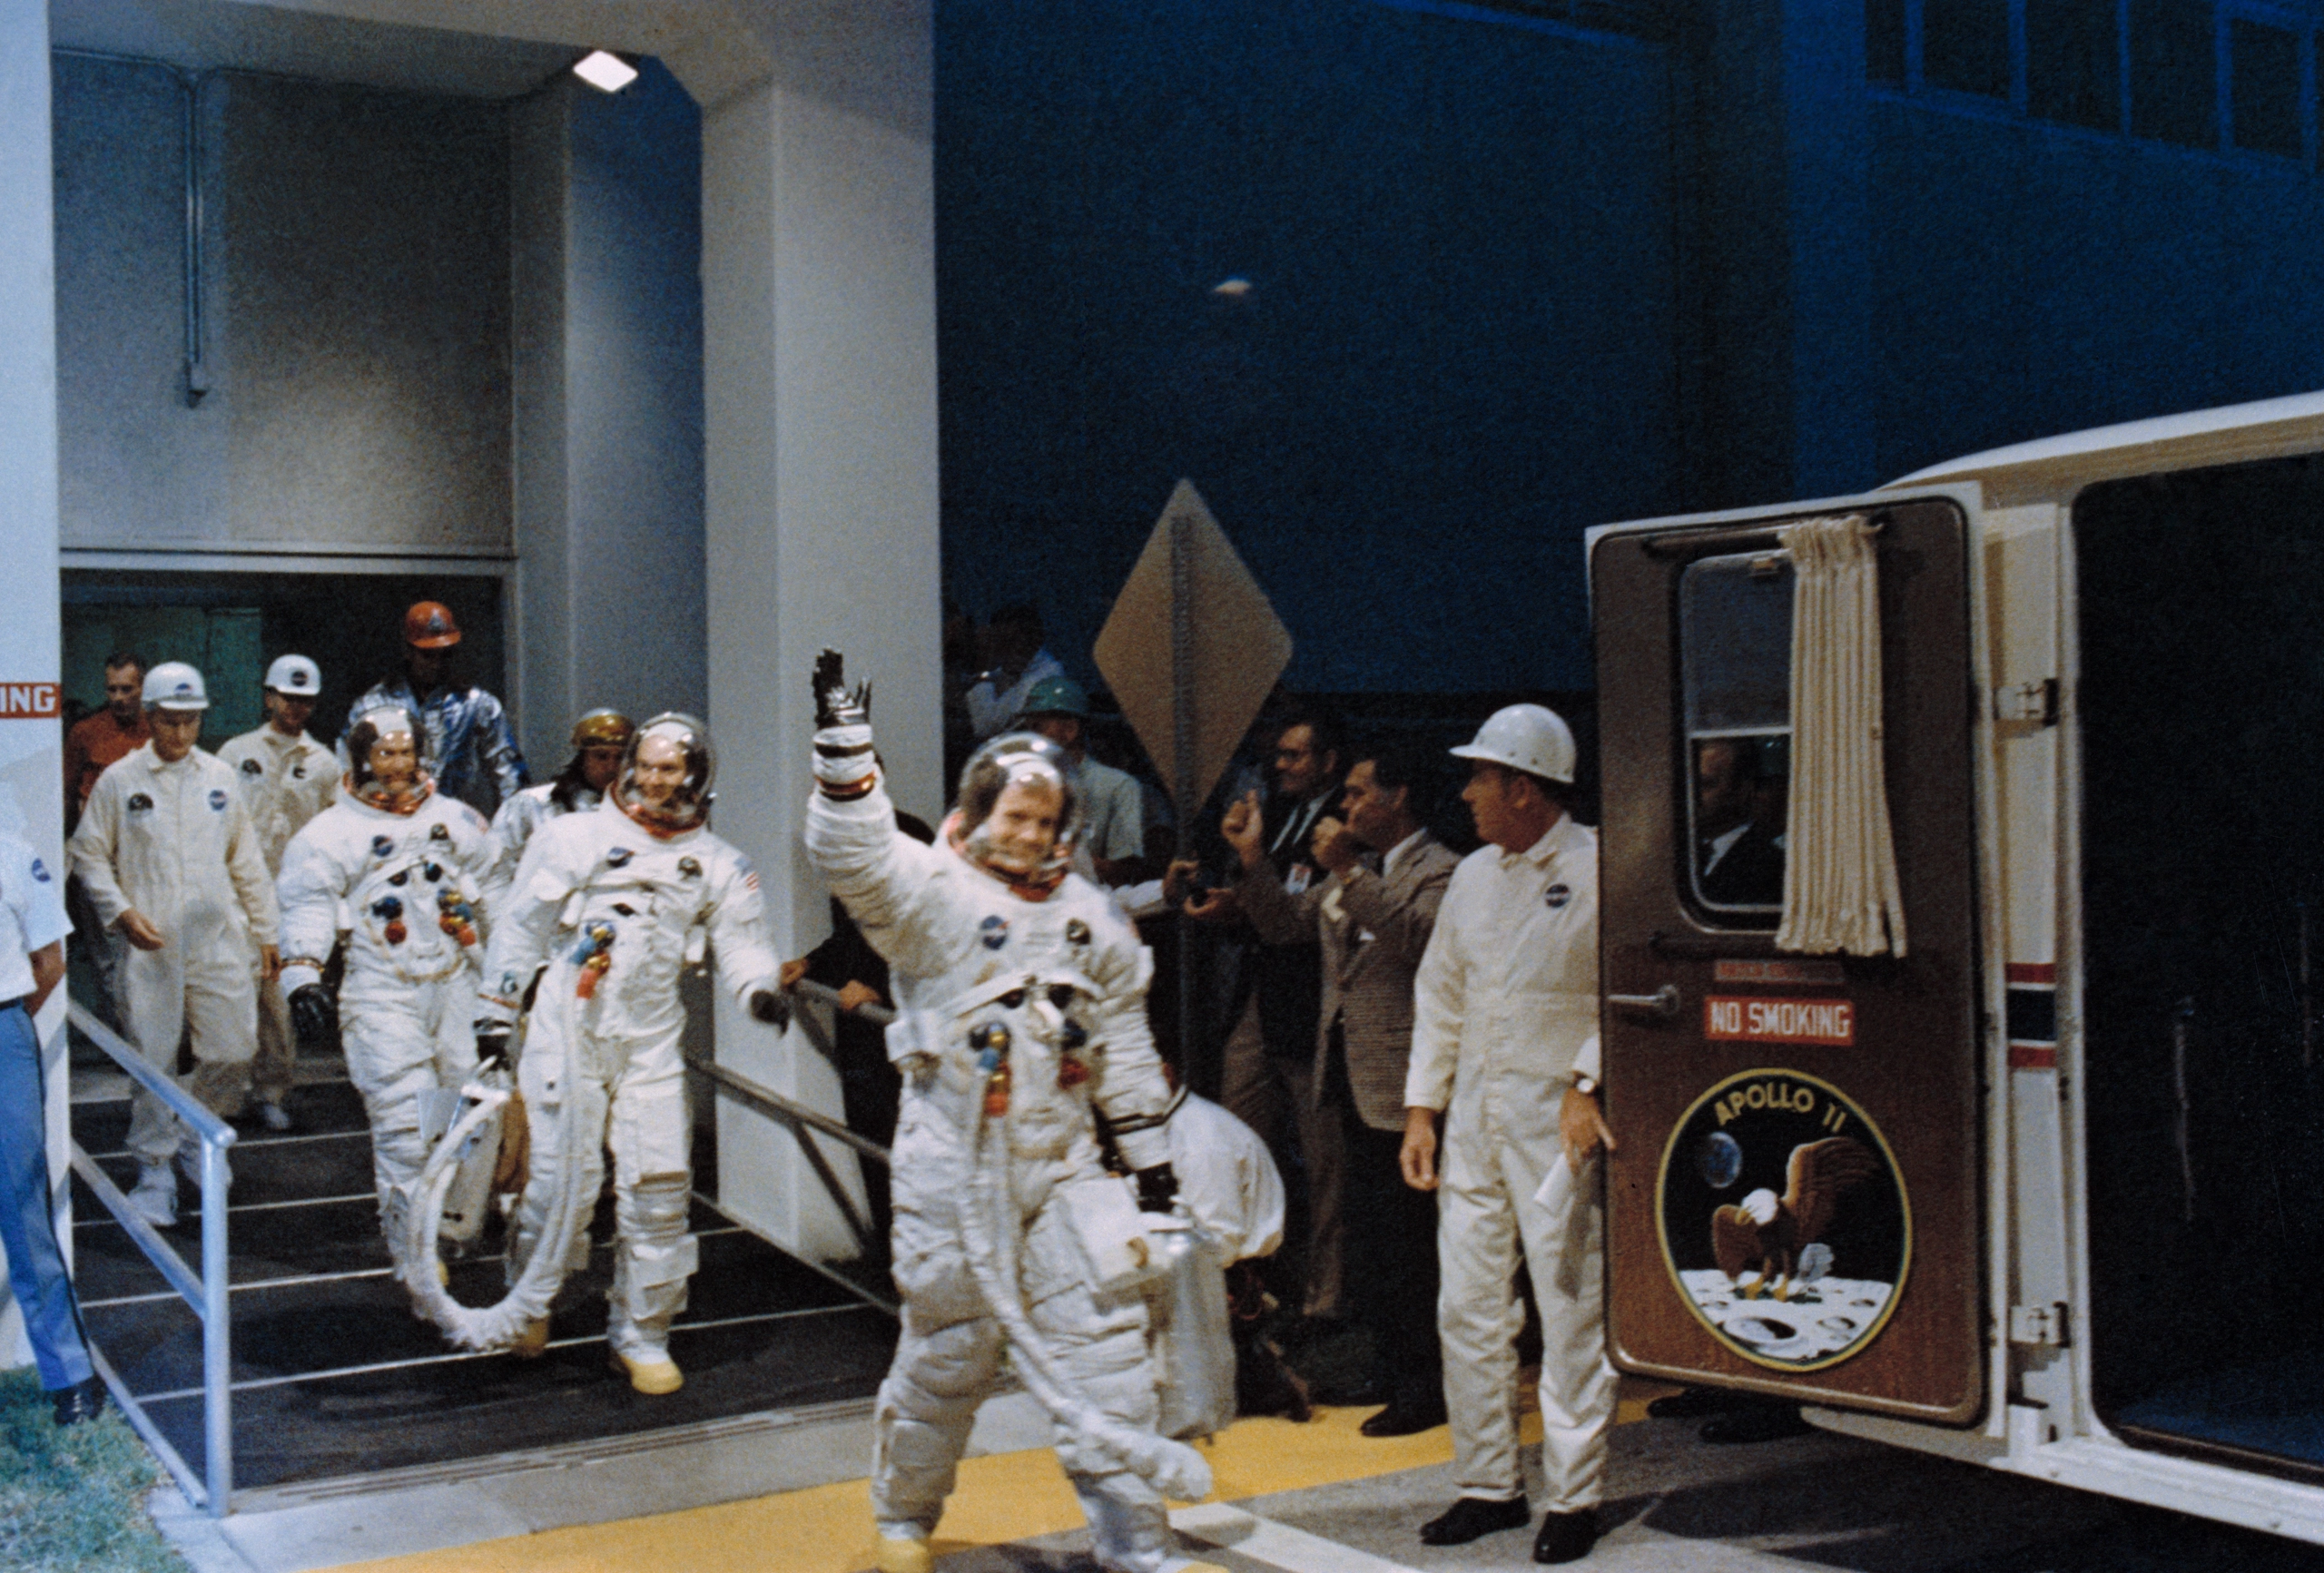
x=1557 y=896
x=253 y=767
x=218 y=798
x=381 y=846
x=40 y=871
x=993 y=931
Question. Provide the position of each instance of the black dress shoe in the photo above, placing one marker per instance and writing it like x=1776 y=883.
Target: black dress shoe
x=1361 y=1393
x=1566 y=1537
x=1695 y=1402
x=1404 y=1419
x=1760 y=1424
x=83 y=1400
x=1471 y=1516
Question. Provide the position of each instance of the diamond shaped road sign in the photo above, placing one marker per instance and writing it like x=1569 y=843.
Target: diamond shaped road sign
x=1192 y=649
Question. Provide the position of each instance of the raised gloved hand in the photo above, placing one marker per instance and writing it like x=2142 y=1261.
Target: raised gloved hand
x=1158 y=1188
x=491 y=1041
x=770 y=1008
x=314 y=1016
x=844 y=767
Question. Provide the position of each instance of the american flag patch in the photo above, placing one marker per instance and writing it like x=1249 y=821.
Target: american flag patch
x=751 y=880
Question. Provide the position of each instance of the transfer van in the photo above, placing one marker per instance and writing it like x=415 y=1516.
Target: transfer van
x=1962 y=886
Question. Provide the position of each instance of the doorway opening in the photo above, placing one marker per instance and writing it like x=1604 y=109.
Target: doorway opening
x=2202 y=712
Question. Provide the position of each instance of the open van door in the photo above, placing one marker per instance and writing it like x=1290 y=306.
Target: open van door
x=1794 y=1205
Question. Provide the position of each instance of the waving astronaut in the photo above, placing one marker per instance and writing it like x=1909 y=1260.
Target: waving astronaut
x=1022 y=999
x=401 y=863
x=614 y=902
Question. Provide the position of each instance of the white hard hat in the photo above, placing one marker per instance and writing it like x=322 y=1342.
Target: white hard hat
x=1525 y=737
x=174 y=685
x=294 y=674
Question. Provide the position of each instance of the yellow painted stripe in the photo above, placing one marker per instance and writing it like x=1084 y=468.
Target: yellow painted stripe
x=1002 y=1498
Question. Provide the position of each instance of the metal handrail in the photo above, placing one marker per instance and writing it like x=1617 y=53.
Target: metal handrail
x=801 y=1119
x=823 y=994
x=206 y=1292
x=788 y=1110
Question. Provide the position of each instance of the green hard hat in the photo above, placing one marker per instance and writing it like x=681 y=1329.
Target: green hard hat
x=1056 y=696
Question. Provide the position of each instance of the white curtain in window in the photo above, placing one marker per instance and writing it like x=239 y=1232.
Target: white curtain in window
x=1839 y=884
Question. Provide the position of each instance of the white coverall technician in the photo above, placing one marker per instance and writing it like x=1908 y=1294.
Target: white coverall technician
x=1021 y=998
x=168 y=856
x=287 y=779
x=614 y=902
x=402 y=861
x=600 y=740
x=1505 y=1045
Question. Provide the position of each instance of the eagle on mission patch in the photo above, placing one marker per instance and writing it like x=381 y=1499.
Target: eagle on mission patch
x=1771 y=1232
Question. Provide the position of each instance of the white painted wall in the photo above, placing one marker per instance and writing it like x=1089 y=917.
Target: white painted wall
x=607 y=227
x=820 y=366
x=31 y=751
x=356 y=315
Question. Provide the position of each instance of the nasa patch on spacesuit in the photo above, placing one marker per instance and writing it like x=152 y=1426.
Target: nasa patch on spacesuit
x=1784 y=1222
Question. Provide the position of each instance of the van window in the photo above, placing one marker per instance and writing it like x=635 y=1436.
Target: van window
x=1735 y=676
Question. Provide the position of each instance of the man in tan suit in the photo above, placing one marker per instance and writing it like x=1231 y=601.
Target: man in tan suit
x=1373 y=915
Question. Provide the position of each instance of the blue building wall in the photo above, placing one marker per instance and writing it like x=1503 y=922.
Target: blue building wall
x=1454 y=354
x=1511 y=278
x=2036 y=280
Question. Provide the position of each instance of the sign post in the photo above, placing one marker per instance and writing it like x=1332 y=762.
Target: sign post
x=1191 y=650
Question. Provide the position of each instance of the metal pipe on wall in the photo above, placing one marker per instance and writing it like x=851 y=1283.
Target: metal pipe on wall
x=196 y=386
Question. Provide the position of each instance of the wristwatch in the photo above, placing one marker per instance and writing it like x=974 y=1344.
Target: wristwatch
x=1586 y=1086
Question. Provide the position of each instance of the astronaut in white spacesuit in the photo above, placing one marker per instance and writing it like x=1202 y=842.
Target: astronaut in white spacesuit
x=170 y=861
x=1022 y=1016
x=614 y=902
x=600 y=740
x=403 y=862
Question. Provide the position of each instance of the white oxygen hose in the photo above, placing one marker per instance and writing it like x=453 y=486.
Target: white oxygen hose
x=487 y=1328
x=1171 y=1468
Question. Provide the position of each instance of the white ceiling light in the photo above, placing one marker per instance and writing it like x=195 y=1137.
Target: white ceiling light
x=605 y=73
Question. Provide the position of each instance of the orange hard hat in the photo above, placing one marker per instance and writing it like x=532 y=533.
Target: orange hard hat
x=428 y=625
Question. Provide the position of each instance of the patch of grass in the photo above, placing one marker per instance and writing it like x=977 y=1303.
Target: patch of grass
x=73 y=1500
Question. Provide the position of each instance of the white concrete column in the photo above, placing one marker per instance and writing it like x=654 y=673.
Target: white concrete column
x=819 y=306
x=608 y=407
x=31 y=745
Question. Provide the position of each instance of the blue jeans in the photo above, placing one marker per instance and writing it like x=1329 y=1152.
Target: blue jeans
x=27 y=1217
